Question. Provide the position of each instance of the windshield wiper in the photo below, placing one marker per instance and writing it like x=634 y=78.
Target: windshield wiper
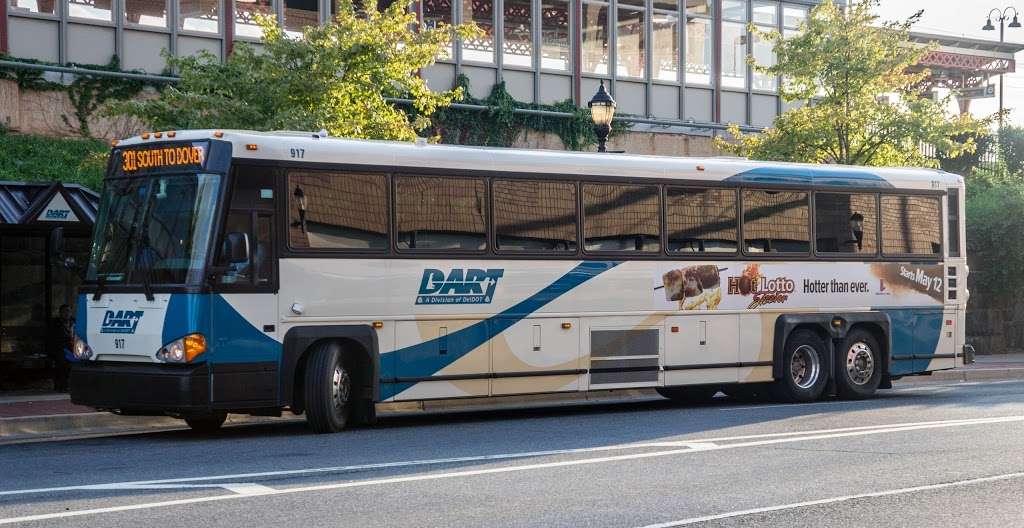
x=101 y=282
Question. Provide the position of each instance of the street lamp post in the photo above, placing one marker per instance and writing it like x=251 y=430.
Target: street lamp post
x=602 y=110
x=1002 y=17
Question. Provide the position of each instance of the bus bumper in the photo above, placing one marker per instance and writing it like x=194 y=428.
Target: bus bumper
x=141 y=388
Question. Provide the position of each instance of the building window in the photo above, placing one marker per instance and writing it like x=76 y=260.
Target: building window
x=554 y=29
x=776 y=222
x=328 y=210
x=846 y=223
x=766 y=17
x=630 y=39
x=595 y=38
x=701 y=220
x=699 y=46
x=518 y=32
x=436 y=213
x=734 y=44
x=437 y=14
x=534 y=216
x=90 y=10
x=43 y=7
x=246 y=12
x=911 y=225
x=665 y=48
x=621 y=217
x=152 y=13
x=479 y=49
x=793 y=17
x=200 y=15
x=299 y=15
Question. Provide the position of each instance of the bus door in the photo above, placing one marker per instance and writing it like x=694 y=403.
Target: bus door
x=245 y=312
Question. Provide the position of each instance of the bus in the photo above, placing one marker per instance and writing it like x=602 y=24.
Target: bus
x=250 y=272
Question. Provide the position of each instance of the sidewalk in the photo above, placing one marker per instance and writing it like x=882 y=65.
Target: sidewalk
x=35 y=415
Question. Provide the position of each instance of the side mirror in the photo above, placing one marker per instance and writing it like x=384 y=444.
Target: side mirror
x=236 y=247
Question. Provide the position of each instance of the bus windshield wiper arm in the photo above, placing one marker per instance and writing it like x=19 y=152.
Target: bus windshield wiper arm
x=101 y=282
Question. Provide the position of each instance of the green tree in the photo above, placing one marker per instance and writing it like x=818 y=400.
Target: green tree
x=1011 y=149
x=337 y=77
x=861 y=104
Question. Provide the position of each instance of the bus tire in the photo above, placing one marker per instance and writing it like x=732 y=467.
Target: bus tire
x=804 y=374
x=696 y=394
x=859 y=369
x=206 y=424
x=328 y=389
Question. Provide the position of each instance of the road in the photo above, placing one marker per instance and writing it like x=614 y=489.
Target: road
x=919 y=455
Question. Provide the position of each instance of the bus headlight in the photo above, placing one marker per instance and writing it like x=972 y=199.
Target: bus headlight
x=80 y=349
x=182 y=350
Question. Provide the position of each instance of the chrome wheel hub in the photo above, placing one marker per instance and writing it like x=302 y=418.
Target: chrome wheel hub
x=805 y=366
x=860 y=363
x=341 y=387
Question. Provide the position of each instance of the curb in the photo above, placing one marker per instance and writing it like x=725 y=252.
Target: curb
x=971 y=374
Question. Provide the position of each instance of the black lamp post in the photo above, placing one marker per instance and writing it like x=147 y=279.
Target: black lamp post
x=1002 y=16
x=602 y=110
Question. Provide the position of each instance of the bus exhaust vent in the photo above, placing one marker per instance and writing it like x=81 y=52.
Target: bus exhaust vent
x=624 y=356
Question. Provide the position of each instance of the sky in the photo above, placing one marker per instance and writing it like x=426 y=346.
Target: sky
x=965 y=18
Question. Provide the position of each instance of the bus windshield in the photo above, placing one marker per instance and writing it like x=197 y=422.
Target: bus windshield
x=158 y=226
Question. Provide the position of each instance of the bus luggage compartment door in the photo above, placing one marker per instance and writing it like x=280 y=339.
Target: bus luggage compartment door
x=525 y=351
x=701 y=348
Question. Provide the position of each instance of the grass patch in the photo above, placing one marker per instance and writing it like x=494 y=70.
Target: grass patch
x=25 y=157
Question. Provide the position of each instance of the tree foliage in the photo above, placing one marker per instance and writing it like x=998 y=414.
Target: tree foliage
x=336 y=77
x=1011 y=149
x=994 y=210
x=861 y=104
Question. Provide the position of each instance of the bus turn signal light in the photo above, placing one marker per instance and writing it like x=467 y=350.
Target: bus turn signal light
x=251 y=146
x=566 y=326
x=172 y=134
x=378 y=324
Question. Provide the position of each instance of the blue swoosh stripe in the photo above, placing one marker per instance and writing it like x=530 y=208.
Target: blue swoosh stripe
x=424 y=359
x=813 y=176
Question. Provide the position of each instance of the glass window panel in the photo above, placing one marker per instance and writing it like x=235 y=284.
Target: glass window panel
x=554 y=28
x=766 y=13
x=479 y=49
x=621 y=217
x=46 y=7
x=665 y=51
x=518 y=46
x=146 y=12
x=263 y=252
x=299 y=15
x=764 y=55
x=699 y=50
x=200 y=15
x=337 y=210
x=793 y=16
x=701 y=220
x=630 y=43
x=776 y=222
x=846 y=223
x=245 y=17
x=438 y=13
x=90 y=9
x=734 y=10
x=734 y=55
x=237 y=273
x=595 y=38
x=534 y=216
x=911 y=225
x=666 y=5
x=953 y=221
x=699 y=7
x=634 y=3
x=433 y=213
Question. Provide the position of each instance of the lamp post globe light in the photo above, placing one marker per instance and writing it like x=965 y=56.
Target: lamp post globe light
x=1002 y=17
x=602 y=110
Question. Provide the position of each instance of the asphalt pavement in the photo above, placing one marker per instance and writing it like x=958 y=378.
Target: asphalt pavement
x=923 y=454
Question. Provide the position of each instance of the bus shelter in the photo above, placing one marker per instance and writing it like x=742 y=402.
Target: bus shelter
x=33 y=285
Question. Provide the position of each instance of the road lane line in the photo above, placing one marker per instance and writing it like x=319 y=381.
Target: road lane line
x=693 y=444
x=491 y=471
x=832 y=500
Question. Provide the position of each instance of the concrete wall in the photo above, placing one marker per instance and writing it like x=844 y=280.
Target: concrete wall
x=661 y=144
x=50 y=113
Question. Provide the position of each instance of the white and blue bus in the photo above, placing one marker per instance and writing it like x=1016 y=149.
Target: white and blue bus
x=246 y=272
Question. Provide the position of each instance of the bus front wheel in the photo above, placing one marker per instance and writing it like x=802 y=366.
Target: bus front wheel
x=328 y=389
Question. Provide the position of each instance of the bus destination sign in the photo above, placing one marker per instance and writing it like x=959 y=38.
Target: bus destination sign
x=189 y=157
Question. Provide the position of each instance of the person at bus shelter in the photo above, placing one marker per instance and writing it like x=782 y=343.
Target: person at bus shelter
x=60 y=353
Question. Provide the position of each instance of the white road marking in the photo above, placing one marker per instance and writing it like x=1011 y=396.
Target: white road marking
x=509 y=469
x=831 y=500
x=241 y=488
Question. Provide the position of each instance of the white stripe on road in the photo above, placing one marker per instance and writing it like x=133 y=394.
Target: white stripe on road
x=510 y=469
x=831 y=500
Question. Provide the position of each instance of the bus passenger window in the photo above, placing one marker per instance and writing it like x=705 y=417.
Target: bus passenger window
x=846 y=223
x=334 y=210
x=262 y=255
x=776 y=222
x=620 y=217
x=911 y=225
x=701 y=220
x=534 y=215
x=436 y=213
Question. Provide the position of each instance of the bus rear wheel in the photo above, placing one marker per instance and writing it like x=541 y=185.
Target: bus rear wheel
x=804 y=375
x=206 y=424
x=328 y=389
x=696 y=394
x=860 y=368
